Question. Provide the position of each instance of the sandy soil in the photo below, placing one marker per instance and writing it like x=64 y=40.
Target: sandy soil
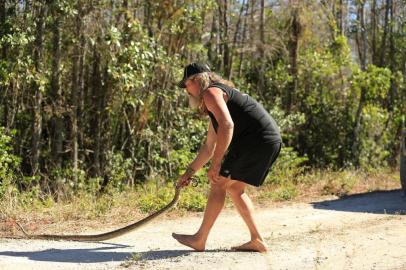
x=364 y=231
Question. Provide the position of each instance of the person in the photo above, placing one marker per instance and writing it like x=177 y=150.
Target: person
x=243 y=141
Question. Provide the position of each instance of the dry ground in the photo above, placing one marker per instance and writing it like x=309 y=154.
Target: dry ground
x=363 y=231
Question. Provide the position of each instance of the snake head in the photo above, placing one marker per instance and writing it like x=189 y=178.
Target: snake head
x=193 y=180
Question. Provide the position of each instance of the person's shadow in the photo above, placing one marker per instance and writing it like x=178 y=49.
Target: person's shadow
x=99 y=254
x=376 y=202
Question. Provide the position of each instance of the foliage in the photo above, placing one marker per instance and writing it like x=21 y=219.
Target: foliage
x=102 y=76
x=8 y=162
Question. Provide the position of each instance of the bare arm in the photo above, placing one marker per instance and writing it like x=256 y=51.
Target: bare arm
x=206 y=151
x=215 y=103
x=216 y=144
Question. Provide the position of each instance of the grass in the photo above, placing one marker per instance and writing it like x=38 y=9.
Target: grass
x=35 y=210
x=135 y=257
x=327 y=182
x=281 y=193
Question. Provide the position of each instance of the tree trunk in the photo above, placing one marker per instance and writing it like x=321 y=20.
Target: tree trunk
x=373 y=30
x=147 y=18
x=3 y=55
x=340 y=15
x=37 y=94
x=243 y=38
x=81 y=92
x=385 y=33
x=392 y=64
x=77 y=83
x=261 y=49
x=235 y=39
x=223 y=9
x=211 y=53
x=293 y=44
x=96 y=119
x=361 y=44
x=57 y=127
x=252 y=30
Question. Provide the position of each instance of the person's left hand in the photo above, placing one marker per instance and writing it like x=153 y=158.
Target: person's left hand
x=214 y=172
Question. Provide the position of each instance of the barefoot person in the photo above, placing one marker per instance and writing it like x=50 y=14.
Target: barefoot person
x=242 y=142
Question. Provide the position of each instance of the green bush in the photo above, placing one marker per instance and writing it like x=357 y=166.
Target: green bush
x=194 y=199
x=282 y=193
x=153 y=197
x=287 y=167
x=9 y=162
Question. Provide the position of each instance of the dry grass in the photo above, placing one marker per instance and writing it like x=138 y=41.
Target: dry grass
x=118 y=208
x=320 y=183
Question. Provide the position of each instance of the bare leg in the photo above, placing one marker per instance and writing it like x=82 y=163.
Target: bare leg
x=214 y=205
x=245 y=207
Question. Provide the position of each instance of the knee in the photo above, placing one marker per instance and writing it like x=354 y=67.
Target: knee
x=221 y=185
x=235 y=190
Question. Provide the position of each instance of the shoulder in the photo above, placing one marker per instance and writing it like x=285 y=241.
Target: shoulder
x=213 y=99
x=212 y=93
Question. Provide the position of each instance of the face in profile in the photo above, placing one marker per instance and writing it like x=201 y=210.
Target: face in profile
x=192 y=89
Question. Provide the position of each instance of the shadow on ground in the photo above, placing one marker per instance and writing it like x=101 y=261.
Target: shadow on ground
x=377 y=202
x=164 y=254
x=82 y=255
x=98 y=255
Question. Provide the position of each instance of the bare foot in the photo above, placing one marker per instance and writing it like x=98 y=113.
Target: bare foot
x=253 y=245
x=190 y=240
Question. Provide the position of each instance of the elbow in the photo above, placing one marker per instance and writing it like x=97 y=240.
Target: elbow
x=209 y=148
x=229 y=125
x=211 y=153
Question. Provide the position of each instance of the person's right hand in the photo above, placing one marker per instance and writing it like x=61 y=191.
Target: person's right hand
x=184 y=181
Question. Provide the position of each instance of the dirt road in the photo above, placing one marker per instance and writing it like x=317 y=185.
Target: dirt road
x=365 y=231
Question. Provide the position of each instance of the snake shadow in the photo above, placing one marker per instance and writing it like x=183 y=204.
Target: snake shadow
x=391 y=202
x=78 y=255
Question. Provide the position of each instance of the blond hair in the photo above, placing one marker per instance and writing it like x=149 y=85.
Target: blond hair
x=204 y=80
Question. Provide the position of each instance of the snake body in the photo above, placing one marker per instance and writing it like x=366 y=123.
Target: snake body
x=107 y=235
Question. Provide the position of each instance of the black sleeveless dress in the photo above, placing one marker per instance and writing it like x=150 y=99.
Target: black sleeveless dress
x=256 y=140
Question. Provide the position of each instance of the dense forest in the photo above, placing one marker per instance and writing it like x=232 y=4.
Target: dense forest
x=88 y=87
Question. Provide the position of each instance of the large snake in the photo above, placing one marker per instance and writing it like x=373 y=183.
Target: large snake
x=111 y=234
